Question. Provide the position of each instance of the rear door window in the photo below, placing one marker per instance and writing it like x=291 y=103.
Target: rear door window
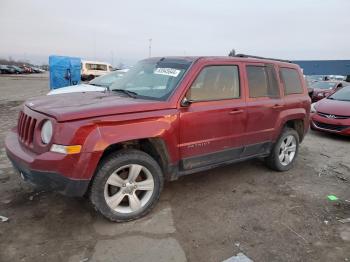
x=262 y=81
x=291 y=81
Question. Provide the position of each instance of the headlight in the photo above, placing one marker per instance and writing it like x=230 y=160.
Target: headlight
x=46 y=132
x=313 y=108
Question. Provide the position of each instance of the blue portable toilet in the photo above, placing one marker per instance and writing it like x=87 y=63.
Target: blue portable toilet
x=64 y=71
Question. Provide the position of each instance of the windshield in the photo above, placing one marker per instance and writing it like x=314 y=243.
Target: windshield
x=343 y=94
x=107 y=80
x=323 y=85
x=153 y=79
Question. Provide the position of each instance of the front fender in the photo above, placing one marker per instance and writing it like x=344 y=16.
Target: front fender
x=113 y=130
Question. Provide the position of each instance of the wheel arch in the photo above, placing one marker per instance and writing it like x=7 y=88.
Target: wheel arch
x=297 y=125
x=155 y=147
x=297 y=119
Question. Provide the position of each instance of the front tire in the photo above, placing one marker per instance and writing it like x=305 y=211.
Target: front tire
x=127 y=185
x=285 y=151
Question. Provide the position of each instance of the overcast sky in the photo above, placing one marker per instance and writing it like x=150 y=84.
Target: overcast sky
x=118 y=31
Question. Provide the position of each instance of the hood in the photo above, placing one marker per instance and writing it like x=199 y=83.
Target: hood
x=333 y=107
x=76 y=88
x=74 y=106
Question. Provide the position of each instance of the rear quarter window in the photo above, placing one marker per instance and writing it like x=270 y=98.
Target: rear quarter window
x=291 y=81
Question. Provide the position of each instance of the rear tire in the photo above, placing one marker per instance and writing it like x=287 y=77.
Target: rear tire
x=127 y=185
x=285 y=151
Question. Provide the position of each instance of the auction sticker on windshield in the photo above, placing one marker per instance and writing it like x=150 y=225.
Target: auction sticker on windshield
x=167 y=71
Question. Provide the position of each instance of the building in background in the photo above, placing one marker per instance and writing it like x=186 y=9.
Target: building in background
x=324 y=67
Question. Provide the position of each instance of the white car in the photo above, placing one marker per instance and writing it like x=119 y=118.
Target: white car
x=101 y=83
x=92 y=69
x=337 y=77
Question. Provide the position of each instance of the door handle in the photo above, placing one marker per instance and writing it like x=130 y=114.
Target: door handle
x=236 y=111
x=277 y=106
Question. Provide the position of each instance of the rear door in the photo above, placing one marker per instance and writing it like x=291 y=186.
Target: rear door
x=211 y=127
x=264 y=105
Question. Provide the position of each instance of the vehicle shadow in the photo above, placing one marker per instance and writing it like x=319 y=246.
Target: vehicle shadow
x=330 y=136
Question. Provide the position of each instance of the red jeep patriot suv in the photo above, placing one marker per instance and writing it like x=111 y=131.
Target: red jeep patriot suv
x=167 y=117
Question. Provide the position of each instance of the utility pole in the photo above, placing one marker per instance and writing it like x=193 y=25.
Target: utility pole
x=112 y=58
x=150 y=47
x=94 y=40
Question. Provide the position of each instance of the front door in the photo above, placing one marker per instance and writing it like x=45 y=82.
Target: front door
x=212 y=125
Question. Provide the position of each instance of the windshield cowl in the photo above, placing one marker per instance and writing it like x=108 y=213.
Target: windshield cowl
x=127 y=92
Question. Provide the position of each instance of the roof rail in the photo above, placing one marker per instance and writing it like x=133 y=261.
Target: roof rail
x=260 y=57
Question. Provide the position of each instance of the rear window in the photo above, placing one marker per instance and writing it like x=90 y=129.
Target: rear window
x=96 y=67
x=291 y=81
x=262 y=81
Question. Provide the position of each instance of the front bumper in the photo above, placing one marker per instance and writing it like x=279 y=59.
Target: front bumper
x=67 y=174
x=335 y=126
x=52 y=181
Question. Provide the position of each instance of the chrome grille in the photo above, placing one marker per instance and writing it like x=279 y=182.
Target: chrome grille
x=332 y=116
x=26 y=126
x=330 y=126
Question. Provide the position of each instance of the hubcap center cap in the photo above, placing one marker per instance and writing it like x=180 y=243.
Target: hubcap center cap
x=129 y=188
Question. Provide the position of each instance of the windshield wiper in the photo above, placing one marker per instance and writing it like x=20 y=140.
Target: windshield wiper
x=105 y=86
x=127 y=92
x=96 y=85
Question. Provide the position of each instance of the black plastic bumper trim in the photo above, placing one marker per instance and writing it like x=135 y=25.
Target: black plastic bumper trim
x=52 y=181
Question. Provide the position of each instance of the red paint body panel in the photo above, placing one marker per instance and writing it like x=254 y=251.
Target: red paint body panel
x=211 y=126
x=334 y=107
x=318 y=94
x=78 y=166
x=73 y=106
x=207 y=127
x=97 y=120
x=328 y=107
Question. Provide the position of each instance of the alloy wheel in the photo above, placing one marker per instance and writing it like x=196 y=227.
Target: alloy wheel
x=129 y=188
x=287 y=150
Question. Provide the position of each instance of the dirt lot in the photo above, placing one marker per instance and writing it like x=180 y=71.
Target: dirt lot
x=209 y=216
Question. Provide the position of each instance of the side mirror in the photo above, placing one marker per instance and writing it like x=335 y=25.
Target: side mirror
x=186 y=102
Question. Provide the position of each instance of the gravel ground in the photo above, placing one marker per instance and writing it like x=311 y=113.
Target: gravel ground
x=209 y=216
